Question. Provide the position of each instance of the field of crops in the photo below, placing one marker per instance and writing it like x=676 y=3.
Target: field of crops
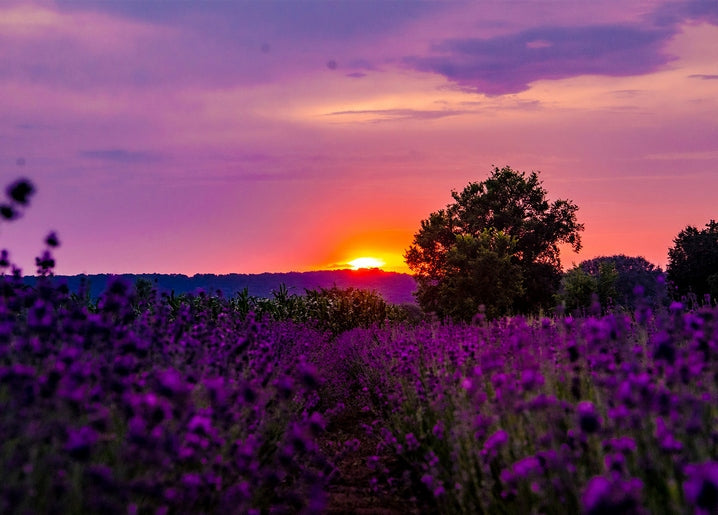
x=160 y=407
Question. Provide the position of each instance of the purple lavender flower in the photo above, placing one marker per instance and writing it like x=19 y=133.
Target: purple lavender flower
x=494 y=443
x=615 y=462
x=526 y=467
x=40 y=316
x=664 y=348
x=603 y=496
x=317 y=424
x=666 y=440
x=438 y=430
x=411 y=442
x=20 y=191
x=531 y=379
x=676 y=307
x=435 y=486
x=80 y=442
x=201 y=425
x=308 y=375
x=285 y=386
x=52 y=240
x=588 y=418
x=701 y=486
x=622 y=444
x=137 y=430
x=373 y=462
x=191 y=480
x=8 y=212
x=170 y=382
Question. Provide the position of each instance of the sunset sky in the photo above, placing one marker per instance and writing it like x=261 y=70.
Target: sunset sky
x=219 y=137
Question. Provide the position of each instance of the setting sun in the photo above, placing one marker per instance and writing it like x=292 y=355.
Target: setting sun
x=366 y=262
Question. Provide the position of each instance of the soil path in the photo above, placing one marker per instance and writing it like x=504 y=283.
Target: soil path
x=350 y=489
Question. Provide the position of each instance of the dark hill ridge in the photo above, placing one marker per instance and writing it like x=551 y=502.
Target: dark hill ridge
x=394 y=287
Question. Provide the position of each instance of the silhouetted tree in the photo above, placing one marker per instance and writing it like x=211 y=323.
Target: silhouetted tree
x=693 y=261
x=496 y=244
x=631 y=272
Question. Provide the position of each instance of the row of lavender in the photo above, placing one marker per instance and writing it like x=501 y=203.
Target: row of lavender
x=616 y=414
x=196 y=411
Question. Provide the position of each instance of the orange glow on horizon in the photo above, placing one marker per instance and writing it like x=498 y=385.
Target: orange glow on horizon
x=348 y=247
x=366 y=262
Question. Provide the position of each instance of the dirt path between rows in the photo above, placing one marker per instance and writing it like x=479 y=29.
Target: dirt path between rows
x=350 y=489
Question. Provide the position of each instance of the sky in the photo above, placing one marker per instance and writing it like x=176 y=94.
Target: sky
x=247 y=137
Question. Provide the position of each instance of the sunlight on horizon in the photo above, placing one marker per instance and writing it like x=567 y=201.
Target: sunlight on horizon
x=366 y=262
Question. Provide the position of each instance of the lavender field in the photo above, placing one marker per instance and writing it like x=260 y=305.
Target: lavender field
x=337 y=402
x=125 y=407
x=372 y=257
x=591 y=415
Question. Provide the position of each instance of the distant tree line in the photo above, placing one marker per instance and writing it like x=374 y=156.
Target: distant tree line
x=395 y=288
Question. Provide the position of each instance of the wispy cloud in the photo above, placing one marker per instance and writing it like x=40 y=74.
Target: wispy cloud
x=32 y=127
x=703 y=76
x=626 y=93
x=381 y=115
x=118 y=155
x=698 y=155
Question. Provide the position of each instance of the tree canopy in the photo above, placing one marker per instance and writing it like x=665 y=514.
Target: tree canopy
x=693 y=261
x=619 y=281
x=497 y=244
x=633 y=272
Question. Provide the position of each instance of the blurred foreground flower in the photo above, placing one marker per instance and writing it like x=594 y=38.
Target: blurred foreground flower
x=603 y=496
x=701 y=487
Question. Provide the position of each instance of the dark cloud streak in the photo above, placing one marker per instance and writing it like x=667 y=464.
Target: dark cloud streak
x=672 y=14
x=326 y=20
x=119 y=155
x=509 y=63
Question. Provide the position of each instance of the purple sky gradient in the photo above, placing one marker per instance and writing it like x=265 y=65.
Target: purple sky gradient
x=246 y=137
